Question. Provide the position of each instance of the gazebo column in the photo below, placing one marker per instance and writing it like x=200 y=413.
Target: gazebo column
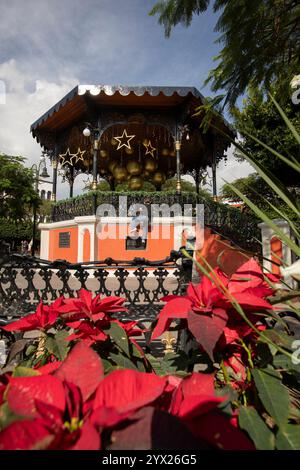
x=95 y=161
x=96 y=136
x=54 y=178
x=178 y=148
x=71 y=181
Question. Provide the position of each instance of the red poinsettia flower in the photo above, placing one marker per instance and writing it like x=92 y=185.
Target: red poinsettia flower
x=128 y=390
x=196 y=404
x=55 y=408
x=206 y=306
x=44 y=317
x=87 y=307
x=87 y=332
x=206 y=319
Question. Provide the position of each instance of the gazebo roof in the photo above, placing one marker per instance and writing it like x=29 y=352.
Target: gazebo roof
x=73 y=106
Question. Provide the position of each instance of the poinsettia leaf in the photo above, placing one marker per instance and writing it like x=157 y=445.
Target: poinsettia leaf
x=7 y=416
x=153 y=429
x=174 y=362
x=207 y=328
x=175 y=308
x=25 y=435
x=57 y=344
x=279 y=338
x=16 y=348
x=122 y=361
x=281 y=361
x=135 y=351
x=254 y=425
x=118 y=334
x=24 y=391
x=288 y=437
x=82 y=367
x=21 y=371
x=272 y=393
x=127 y=390
x=89 y=438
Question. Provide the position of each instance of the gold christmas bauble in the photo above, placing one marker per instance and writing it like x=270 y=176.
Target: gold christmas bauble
x=129 y=151
x=158 y=178
x=165 y=152
x=150 y=164
x=146 y=174
x=111 y=165
x=103 y=153
x=145 y=142
x=113 y=142
x=134 y=168
x=120 y=173
x=135 y=183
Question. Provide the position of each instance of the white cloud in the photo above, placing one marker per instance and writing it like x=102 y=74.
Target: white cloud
x=22 y=108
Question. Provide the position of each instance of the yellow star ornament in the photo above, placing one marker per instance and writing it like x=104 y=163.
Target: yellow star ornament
x=66 y=158
x=79 y=155
x=124 y=140
x=149 y=148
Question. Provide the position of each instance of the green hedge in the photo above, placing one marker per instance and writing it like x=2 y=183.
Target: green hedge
x=11 y=230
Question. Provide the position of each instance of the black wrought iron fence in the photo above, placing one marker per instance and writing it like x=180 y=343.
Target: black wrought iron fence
x=25 y=281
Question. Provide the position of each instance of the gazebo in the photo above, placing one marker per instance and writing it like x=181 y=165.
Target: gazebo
x=124 y=135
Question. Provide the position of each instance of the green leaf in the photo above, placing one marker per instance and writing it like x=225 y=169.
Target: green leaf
x=118 y=334
x=21 y=371
x=174 y=362
x=155 y=364
x=286 y=120
x=280 y=361
x=285 y=239
x=253 y=424
x=7 y=416
x=288 y=437
x=279 y=338
x=122 y=361
x=272 y=393
x=57 y=344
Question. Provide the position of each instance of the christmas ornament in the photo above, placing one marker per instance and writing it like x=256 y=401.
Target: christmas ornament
x=134 y=168
x=135 y=183
x=79 y=155
x=158 y=178
x=149 y=148
x=124 y=140
x=66 y=158
x=120 y=173
x=150 y=164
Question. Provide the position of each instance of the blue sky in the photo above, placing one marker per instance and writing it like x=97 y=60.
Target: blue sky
x=47 y=47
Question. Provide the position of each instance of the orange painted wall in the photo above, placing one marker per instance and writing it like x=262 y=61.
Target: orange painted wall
x=276 y=255
x=156 y=248
x=230 y=259
x=70 y=254
x=86 y=246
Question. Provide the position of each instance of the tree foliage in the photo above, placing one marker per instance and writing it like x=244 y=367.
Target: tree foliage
x=259 y=192
x=260 y=119
x=260 y=39
x=17 y=192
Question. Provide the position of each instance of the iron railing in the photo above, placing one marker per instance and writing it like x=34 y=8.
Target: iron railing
x=25 y=281
x=229 y=222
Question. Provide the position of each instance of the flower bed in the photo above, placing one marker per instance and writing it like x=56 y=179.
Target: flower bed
x=85 y=382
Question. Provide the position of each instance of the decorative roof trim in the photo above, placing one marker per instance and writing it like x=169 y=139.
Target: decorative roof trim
x=110 y=90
